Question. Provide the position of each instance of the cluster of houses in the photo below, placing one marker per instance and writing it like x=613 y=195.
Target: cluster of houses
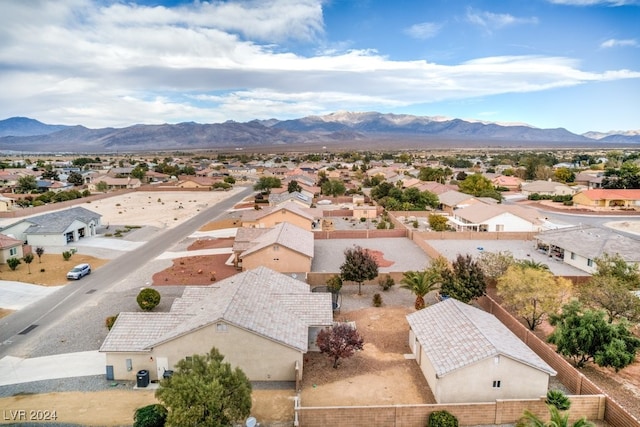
x=265 y=318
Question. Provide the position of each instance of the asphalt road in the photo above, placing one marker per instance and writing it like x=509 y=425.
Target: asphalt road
x=23 y=324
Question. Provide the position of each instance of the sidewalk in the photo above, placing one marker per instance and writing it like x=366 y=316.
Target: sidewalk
x=17 y=295
x=15 y=370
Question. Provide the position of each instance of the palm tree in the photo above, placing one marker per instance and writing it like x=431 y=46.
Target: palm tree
x=558 y=419
x=421 y=283
x=529 y=263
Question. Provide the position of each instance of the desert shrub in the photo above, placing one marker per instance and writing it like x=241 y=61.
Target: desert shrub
x=382 y=225
x=442 y=419
x=148 y=299
x=66 y=255
x=38 y=203
x=386 y=282
x=334 y=283
x=363 y=219
x=109 y=321
x=154 y=415
x=416 y=224
x=13 y=263
x=377 y=300
x=42 y=270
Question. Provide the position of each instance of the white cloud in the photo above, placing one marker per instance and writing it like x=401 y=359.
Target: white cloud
x=619 y=43
x=490 y=20
x=424 y=30
x=596 y=2
x=75 y=62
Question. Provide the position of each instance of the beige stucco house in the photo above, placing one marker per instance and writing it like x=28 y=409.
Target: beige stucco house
x=269 y=217
x=262 y=322
x=6 y=204
x=10 y=247
x=494 y=217
x=467 y=355
x=608 y=198
x=285 y=248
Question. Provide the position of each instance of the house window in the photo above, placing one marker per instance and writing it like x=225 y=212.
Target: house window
x=590 y=262
x=276 y=247
x=496 y=384
x=189 y=359
x=573 y=255
x=129 y=364
x=13 y=251
x=221 y=327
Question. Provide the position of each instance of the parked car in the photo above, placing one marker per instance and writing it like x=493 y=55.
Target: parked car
x=79 y=271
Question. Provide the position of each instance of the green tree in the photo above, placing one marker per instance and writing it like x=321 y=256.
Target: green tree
x=13 y=263
x=102 y=187
x=334 y=283
x=564 y=175
x=464 y=281
x=140 y=171
x=148 y=299
x=420 y=283
x=333 y=187
x=229 y=180
x=266 y=183
x=76 y=179
x=557 y=419
x=26 y=184
x=39 y=252
x=584 y=335
x=50 y=173
x=615 y=266
x=28 y=259
x=611 y=295
x=205 y=391
x=339 y=342
x=438 y=222
x=479 y=186
x=154 y=415
x=495 y=264
x=532 y=294
x=293 y=186
x=442 y=419
x=359 y=265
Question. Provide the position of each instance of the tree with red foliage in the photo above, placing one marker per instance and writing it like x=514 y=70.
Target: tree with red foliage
x=339 y=342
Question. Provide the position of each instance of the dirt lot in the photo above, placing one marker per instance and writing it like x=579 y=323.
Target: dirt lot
x=51 y=270
x=89 y=409
x=378 y=375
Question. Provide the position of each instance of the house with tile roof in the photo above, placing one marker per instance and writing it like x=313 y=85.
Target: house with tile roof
x=580 y=246
x=496 y=217
x=467 y=355
x=608 y=198
x=261 y=321
x=276 y=199
x=285 y=248
x=56 y=228
x=452 y=200
x=546 y=188
x=10 y=247
x=271 y=216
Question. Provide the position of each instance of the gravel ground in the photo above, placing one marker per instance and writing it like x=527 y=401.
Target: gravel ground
x=405 y=255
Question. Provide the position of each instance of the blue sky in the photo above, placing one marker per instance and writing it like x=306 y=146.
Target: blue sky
x=549 y=63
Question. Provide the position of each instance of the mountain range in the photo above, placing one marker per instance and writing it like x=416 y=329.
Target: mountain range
x=341 y=129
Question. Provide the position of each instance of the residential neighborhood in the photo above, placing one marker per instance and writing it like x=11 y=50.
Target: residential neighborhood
x=259 y=292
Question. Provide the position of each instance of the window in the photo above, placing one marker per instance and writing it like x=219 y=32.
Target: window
x=276 y=247
x=496 y=384
x=221 y=327
x=13 y=251
x=590 y=262
x=129 y=364
x=573 y=255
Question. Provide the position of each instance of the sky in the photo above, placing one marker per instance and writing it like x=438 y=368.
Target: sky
x=103 y=63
